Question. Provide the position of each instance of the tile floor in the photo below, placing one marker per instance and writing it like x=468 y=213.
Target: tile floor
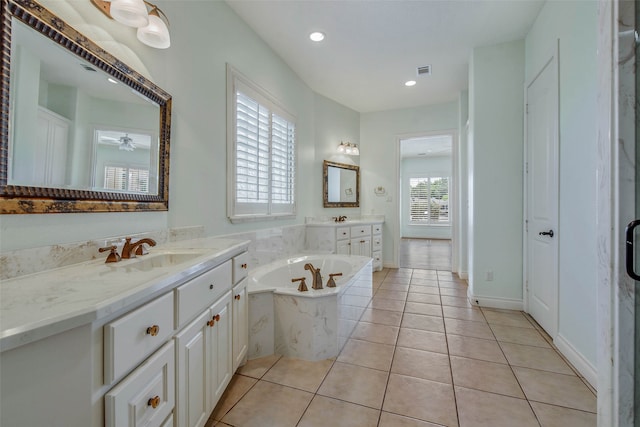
x=420 y=356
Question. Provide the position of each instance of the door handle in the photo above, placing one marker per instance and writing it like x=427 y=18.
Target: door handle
x=546 y=233
x=629 y=246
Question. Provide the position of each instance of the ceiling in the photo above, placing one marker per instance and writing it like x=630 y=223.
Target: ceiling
x=373 y=46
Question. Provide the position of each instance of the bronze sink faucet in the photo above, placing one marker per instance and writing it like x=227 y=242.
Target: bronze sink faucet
x=130 y=250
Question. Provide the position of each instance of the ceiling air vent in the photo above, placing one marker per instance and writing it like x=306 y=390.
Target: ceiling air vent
x=424 y=70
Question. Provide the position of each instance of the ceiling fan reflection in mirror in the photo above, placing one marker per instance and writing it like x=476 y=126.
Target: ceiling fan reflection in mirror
x=124 y=140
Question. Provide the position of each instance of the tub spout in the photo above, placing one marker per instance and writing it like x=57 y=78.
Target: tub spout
x=315 y=273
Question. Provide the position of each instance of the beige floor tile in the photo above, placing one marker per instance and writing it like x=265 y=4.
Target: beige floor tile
x=262 y=406
x=485 y=376
x=524 y=336
x=340 y=414
x=424 y=289
x=386 y=304
x=383 y=334
x=545 y=359
x=455 y=301
x=454 y=292
x=423 y=298
x=426 y=323
x=397 y=279
x=422 y=364
x=423 y=399
x=392 y=420
x=424 y=281
x=368 y=354
x=390 y=286
x=556 y=389
x=507 y=318
x=421 y=308
x=238 y=387
x=397 y=295
x=463 y=313
x=422 y=340
x=256 y=368
x=419 y=272
x=468 y=328
x=482 y=409
x=455 y=285
x=383 y=317
x=475 y=348
x=355 y=384
x=296 y=373
x=555 y=416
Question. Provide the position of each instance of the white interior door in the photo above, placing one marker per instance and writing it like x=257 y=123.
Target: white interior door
x=542 y=197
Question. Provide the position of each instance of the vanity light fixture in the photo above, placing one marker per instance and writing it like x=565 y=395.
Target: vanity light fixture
x=348 y=148
x=151 y=22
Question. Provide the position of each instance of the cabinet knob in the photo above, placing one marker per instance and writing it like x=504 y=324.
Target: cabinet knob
x=244 y=266
x=211 y=322
x=154 y=402
x=211 y=286
x=362 y=241
x=153 y=331
x=216 y=317
x=237 y=297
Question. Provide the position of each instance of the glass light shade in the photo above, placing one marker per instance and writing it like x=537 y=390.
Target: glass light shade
x=156 y=34
x=341 y=148
x=356 y=150
x=130 y=12
x=348 y=149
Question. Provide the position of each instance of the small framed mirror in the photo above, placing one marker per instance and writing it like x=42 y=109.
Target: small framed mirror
x=341 y=185
x=80 y=131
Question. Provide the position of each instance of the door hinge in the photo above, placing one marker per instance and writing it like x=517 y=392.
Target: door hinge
x=526 y=225
x=526 y=108
x=526 y=167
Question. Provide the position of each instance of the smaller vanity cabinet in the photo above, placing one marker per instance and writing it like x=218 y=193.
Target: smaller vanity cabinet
x=363 y=239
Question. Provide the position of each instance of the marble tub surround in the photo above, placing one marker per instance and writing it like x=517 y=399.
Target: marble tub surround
x=33 y=260
x=312 y=325
x=42 y=304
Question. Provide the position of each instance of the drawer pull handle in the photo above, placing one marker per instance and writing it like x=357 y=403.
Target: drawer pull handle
x=237 y=297
x=154 y=402
x=244 y=266
x=153 y=330
x=362 y=241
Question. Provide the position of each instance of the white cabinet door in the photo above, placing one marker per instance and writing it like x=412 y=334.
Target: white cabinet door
x=343 y=247
x=192 y=369
x=361 y=246
x=220 y=348
x=240 y=323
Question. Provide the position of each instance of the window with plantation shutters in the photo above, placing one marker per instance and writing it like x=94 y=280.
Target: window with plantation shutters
x=122 y=178
x=429 y=201
x=261 y=154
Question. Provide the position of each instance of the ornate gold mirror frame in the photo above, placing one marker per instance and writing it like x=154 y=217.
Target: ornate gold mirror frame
x=16 y=199
x=339 y=180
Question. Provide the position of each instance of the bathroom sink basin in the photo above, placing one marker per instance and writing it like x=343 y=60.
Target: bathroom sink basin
x=150 y=262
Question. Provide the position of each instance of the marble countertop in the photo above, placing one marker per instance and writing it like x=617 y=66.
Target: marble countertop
x=346 y=223
x=39 y=305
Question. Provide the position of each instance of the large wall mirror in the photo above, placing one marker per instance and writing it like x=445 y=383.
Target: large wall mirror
x=341 y=185
x=81 y=131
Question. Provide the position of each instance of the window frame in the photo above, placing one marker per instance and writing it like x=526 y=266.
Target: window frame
x=244 y=212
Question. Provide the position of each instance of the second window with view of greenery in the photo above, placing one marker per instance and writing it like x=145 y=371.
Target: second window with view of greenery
x=262 y=153
x=429 y=201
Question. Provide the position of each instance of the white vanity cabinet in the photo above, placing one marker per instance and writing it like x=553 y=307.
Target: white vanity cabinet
x=356 y=238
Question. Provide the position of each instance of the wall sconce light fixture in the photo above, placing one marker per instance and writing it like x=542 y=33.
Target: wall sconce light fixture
x=146 y=17
x=348 y=148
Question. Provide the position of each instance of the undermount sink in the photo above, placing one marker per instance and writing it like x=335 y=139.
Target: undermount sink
x=151 y=261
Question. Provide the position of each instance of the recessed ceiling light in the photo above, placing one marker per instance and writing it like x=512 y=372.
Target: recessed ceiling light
x=115 y=82
x=410 y=83
x=316 y=36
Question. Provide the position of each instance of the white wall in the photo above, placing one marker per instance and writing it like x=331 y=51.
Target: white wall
x=495 y=171
x=205 y=36
x=575 y=25
x=463 y=187
x=379 y=135
x=415 y=168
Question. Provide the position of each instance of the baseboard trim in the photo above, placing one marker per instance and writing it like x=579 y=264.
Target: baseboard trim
x=495 y=302
x=389 y=265
x=584 y=367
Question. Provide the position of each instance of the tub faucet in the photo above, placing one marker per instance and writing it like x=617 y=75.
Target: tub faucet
x=130 y=250
x=317 y=277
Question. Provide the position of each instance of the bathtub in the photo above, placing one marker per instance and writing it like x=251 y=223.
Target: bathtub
x=311 y=325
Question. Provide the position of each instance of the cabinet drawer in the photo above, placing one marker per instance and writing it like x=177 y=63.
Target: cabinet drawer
x=377 y=229
x=240 y=267
x=343 y=233
x=360 y=230
x=128 y=340
x=377 y=243
x=199 y=293
x=147 y=396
